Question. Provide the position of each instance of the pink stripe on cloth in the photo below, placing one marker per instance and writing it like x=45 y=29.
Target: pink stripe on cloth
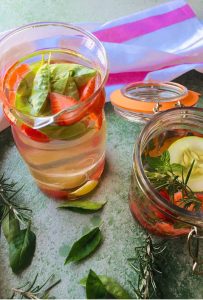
x=125 y=32
x=126 y=77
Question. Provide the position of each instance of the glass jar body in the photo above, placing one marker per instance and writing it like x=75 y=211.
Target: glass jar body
x=61 y=157
x=152 y=208
x=62 y=166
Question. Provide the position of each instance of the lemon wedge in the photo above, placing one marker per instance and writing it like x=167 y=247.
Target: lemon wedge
x=85 y=189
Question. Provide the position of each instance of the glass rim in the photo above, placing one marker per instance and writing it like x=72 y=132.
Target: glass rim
x=179 y=91
x=86 y=33
x=156 y=197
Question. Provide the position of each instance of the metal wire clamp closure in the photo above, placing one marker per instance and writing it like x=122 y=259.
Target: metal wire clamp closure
x=193 y=241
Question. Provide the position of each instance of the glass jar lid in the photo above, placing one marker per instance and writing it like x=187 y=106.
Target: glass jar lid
x=139 y=101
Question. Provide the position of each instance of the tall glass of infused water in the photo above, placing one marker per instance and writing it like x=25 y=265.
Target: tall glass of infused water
x=52 y=89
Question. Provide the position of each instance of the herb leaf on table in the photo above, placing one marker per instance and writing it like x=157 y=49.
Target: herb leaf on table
x=12 y=216
x=108 y=287
x=85 y=246
x=21 y=249
x=83 y=206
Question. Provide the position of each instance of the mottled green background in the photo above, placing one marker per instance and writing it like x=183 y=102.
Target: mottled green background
x=56 y=230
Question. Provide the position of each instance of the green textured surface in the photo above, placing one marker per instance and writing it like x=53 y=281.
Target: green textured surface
x=56 y=230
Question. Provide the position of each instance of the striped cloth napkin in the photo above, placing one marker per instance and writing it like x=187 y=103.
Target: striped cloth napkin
x=160 y=43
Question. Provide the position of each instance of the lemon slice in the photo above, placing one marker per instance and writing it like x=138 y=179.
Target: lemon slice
x=85 y=189
x=184 y=151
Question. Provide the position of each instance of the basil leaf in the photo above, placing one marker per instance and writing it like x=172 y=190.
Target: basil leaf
x=40 y=90
x=65 y=132
x=112 y=287
x=67 y=78
x=10 y=226
x=83 y=74
x=95 y=288
x=24 y=90
x=59 y=76
x=72 y=89
x=21 y=250
x=83 y=206
x=86 y=245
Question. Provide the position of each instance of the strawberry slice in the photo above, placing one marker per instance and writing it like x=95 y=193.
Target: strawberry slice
x=164 y=194
x=59 y=102
x=16 y=75
x=12 y=97
x=88 y=90
x=34 y=134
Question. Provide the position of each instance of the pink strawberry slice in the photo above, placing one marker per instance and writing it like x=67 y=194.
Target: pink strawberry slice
x=59 y=102
x=34 y=134
x=88 y=90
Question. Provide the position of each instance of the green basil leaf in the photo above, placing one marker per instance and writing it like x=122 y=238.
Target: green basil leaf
x=40 y=90
x=83 y=74
x=112 y=287
x=72 y=89
x=86 y=245
x=83 y=206
x=21 y=250
x=95 y=288
x=24 y=90
x=65 y=132
x=59 y=76
x=10 y=226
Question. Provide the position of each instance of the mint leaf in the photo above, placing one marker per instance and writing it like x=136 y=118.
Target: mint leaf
x=159 y=163
x=177 y=168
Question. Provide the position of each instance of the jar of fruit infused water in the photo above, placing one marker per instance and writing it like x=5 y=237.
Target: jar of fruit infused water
x=166 y=194
x=52 y=88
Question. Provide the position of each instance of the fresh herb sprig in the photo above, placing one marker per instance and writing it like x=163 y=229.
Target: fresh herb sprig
x=13 y=217
x=8 y=192
x=163 y=175
x=145 y=263
x=32 y=291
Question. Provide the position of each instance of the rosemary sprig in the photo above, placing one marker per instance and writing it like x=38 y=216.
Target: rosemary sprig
x=145 y=263
x=8 y=192
x=32 y=291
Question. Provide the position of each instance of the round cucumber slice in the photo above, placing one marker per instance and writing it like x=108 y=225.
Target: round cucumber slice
x=184 y=151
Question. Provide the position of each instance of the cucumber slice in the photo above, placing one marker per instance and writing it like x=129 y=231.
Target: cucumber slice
x=184 y=151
